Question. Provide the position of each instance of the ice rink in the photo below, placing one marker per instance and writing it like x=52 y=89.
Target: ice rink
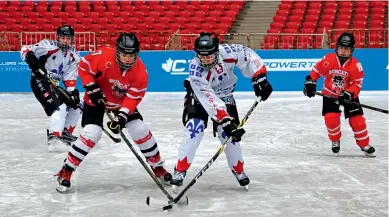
x=286 y=151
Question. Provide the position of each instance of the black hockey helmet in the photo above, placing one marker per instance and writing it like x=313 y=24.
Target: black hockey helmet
x=127 y=43
x=206 y=48
x=347 y=40
x=65 y=30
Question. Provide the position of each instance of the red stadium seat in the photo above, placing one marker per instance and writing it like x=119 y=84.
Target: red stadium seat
x=292 y=25
x=33 y=28
x=346 y=4
x=330 y=4
x=377 y=4
x=24 y=21
x=377 y=24
x=329 y=18
x=379 y=11
x=344 y=18
x=55 y=9
x=300 y=5
x=276 y=25
x=312 y=18
x=360 y=17
x=362 y=4
x=297 y=19
x=360 y=24
x=271 y=39
x=283 y=6
x=309 y=25
x=313 y=12
x=361 y=11
x=283 y=13
x=279 y=19
x=16 y=28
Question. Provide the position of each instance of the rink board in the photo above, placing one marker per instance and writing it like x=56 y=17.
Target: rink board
x=167 y=69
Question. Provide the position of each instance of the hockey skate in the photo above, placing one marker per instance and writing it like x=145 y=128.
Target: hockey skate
x=177 y=180
x=243 y=179
x=336 y=147
x=163 y=175
x=68 y=137
x=63 y=179
x=369 y=151
x=56 y=144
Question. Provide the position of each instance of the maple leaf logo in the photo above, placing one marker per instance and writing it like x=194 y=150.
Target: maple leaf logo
x=168 y=65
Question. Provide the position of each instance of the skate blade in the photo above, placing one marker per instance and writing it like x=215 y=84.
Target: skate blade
x=246 y=187
x=369 y=155
x=176 y=189
x=62 y=189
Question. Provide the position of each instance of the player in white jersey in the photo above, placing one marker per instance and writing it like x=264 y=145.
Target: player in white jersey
x=210 y=88
x=59 y=60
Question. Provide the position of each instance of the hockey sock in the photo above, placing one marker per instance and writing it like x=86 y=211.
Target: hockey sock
x=332 y=121
x=358 y=124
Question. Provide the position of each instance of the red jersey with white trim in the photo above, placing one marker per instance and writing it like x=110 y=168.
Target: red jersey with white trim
x=124 y=90
x=337 y=77
x=57 y=64
x=219 y=81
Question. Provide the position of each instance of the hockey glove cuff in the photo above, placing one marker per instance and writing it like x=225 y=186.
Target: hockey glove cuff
x=231 y=129
x=262 y=87
x=118 y=122
x=309 y=87
x=96 y=96
x=75 y=99
x=345 y=95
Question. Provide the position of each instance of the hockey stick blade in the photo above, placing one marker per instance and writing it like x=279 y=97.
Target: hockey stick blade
x=116 y=140
x=152 y=202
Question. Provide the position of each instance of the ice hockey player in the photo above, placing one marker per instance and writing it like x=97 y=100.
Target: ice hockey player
x=115 y=79
x=343 y=77
x=59 y=60
x=210 y=88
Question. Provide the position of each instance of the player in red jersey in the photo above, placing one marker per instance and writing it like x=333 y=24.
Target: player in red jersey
x=116 y=79
x=343 y=77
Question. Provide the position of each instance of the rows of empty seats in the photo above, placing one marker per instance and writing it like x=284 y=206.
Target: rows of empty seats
x=313 y=17
x=112 y=16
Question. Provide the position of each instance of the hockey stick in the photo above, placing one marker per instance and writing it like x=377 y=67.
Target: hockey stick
x=209 y=163
x=353 y=103
x=152 y=175
x=116 y=140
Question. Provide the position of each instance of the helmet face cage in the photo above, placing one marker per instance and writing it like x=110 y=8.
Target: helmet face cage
x=64 y=31
x=346 y=40
x=207 y=50
x=127 y=43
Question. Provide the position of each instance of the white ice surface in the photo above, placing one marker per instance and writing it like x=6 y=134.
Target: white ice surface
x=286 y=150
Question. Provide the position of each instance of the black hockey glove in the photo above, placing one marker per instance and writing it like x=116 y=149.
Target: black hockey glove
x=345 y=95
x=309 y=87
x=231 y=129
x=33 y=63
x=96 y=96
x=262 y=87
x=118 y=122
x=75 y=99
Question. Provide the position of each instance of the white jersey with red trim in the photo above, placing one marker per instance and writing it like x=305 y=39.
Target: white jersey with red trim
x=57 y=64
x=211 y=85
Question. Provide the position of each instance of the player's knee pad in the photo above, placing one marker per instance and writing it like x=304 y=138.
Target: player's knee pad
x=357 y=123
x=92 y=132
x=332 y=119
x=140 y=132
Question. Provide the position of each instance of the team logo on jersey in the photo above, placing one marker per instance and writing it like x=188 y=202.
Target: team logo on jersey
x=338 y=82
x=108 y=65
x=119 y=89
x=195 y=127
